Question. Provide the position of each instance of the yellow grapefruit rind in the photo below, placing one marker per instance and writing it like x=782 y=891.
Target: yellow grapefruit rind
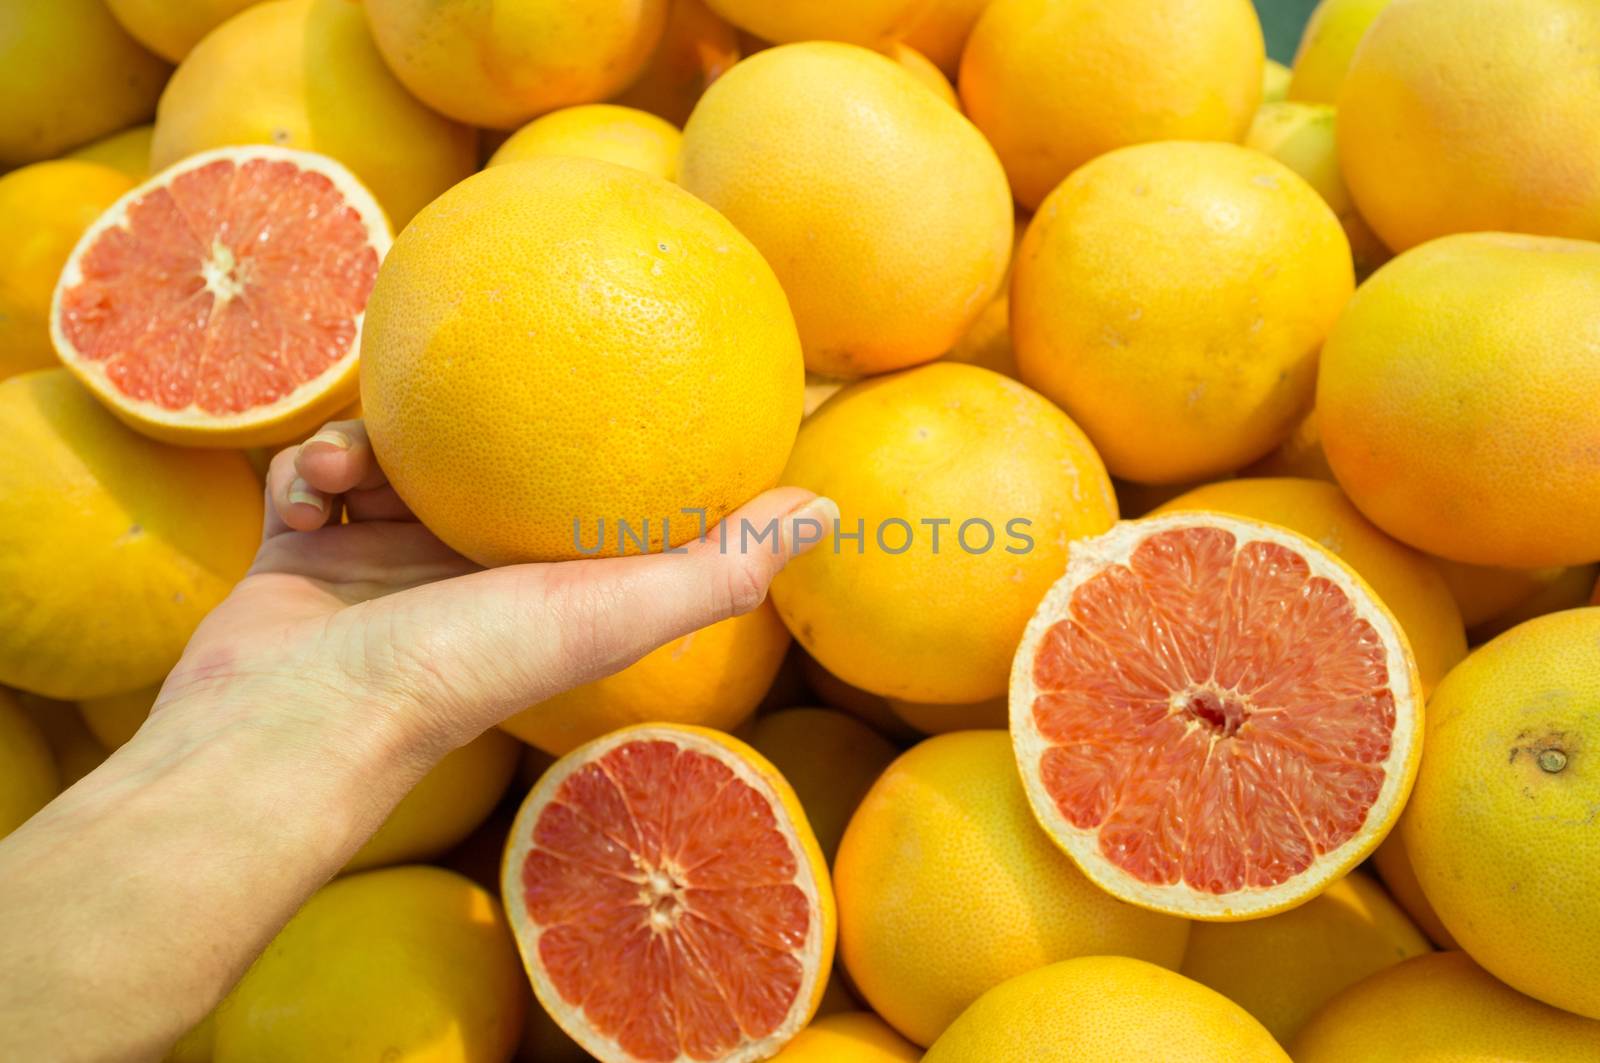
x=289 y=419
x=816 y=957
x=1088 y=557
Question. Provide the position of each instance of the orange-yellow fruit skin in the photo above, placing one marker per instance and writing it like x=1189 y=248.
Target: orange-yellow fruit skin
x=1452 y=393
x=1570 y=588
x=936 y=623
x=1442 y=1008
x=941 y=32
x=947 y=887
x=69 y=74
x=867 y=22
x=882 y=210
x=829 y=757
x=29 y=777
x=115 y=718
x=1475 y=115
x=848 y=1037
x=1393 y=866
x=1281 y=969
x=696 y=48
x=112 y=546
x=1185 y=345
x=171 y=28
x=1500 y=828
x=1139 y=71
x=1105 y=1009
x=44 y=209
x=713 y=677
x=1407 y=581
x=127 y=152
x=1485 y=591
x=305 y=74
x=1327 y=45
x=604 y=131
x=931 y=718
x=499 y=64
x=921 y=67
x=570 y=341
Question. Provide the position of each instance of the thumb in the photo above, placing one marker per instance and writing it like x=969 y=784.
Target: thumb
x=524 y=633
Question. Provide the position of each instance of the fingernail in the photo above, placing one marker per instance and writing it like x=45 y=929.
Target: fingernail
x=822 y=510
x=332 y=437
x=301 y=494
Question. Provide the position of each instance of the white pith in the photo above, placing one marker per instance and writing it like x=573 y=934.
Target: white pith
x=219 y=280
x=1088 y=557
x=656 y=883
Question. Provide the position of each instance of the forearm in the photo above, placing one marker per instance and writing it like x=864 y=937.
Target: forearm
x=132 y=903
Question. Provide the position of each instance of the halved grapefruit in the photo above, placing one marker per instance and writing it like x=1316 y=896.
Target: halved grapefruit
x=669 y=898
x=1213 y=716
x=220 y=303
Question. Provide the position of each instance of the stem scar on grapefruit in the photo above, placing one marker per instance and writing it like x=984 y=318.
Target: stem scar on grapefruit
x=1214 y=717
x=220 y=303
x=669 y=898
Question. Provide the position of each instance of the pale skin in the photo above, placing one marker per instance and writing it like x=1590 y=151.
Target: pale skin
x=349 y=661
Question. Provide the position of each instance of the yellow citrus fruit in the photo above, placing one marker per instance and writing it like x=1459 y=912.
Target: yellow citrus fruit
x=76 y=750
x=171 y=29
x=871 y=173
x=1274 y=82
x=921 y=67
x=1155 y=70
x=305 y=74
x=1500 y=825
x=455 y=796
x=126 y=152
x=941 y=31
x=566 y=342
x=1283 y=968
x=848 y=1037
x=1186 y=348
x=1301 y=136
x=604 y=131
x=830 y=758
x=1485 y=591
x=44 y=209
x=868 y=22
x=931 y=718
x=29 y=778
x=407 y=963
x=1300 y=455
x=112 y=546
x=69 y=74
x=910 y=457
x=1407 y=581
x=871 y=709
x=500 y=64
x=1458 y=438
x=987 y=344
x=1442 y=1008
x=696 y=48
x=669 y=898
x=115 y=718
x=1105 y=1009
x=1327 y=45
x=1571 y=588
x=1393 y=866
x=713 y=677
x=947 y=887
x=1473 y=115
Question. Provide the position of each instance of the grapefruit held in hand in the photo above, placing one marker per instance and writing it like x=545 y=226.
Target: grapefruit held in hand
x=562 y=345
x=669 y=898
x=220 y=303
x=1214 y=717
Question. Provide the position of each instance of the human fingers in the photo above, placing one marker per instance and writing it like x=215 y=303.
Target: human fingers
x=339 y=459
x=292 y=503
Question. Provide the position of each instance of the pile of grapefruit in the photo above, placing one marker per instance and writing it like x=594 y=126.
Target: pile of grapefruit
x=1205 y=662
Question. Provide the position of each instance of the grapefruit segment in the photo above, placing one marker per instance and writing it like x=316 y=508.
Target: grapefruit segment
x=669 y=899
x=1213 y=716
x=220 y=303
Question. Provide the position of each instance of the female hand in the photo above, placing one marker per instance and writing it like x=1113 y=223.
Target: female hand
x=348 y=661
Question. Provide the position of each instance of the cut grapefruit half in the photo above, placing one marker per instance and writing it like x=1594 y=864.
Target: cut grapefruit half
x=669 y=898
x=1214 y=716
x=220 y=302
